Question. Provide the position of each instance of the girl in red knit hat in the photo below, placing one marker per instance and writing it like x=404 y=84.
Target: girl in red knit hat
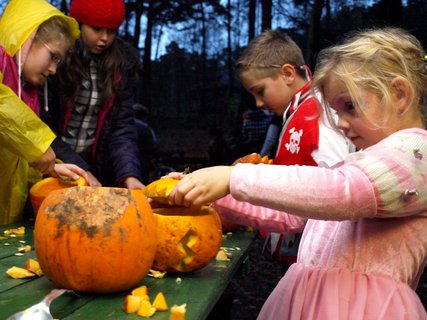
x=91 y=100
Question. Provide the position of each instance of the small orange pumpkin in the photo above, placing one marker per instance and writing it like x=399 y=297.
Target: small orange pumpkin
x=254 y=158
x=188 y=238
x=95 y=239
x=42 y=188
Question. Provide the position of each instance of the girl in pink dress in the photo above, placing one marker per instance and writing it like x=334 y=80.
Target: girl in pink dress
x=364 y=244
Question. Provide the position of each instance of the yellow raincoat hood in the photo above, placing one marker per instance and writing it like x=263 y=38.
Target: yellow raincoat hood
x=24 y=138
x=22 y=17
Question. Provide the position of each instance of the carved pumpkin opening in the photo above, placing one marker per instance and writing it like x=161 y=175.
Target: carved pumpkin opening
x=188 y=238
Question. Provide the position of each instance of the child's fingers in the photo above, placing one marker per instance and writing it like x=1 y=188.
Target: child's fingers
x=177 y=196
x=174 y=175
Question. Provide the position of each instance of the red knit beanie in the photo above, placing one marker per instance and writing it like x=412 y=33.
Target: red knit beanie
x=108 y=14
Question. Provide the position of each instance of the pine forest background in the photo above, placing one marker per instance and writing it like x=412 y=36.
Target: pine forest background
x=188 y=48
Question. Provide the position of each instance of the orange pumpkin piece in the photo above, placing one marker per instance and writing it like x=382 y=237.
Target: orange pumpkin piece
x=34 y=267
x=178 y=312
x=188 y=238
x=19 y=273
x=160 y=189
x=160 y=302
x=95 y=239
x=254 y=158
x=24 y=248
x=17 y=231
x=131 y=304
x=145 y=309
x=40 y=190
x=140 y=291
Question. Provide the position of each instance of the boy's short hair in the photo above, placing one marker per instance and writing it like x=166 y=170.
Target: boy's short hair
x=267 y=52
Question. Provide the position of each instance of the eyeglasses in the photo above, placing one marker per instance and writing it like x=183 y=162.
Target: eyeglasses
x=55 y=58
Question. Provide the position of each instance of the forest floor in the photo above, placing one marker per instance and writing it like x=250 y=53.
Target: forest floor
x=250 y=288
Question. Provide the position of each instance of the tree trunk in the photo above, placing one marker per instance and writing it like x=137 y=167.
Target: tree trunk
x=246 y=100
x=229 y=53
x=266 y=14
x=314 y=32
x=146 y=62
x=203 y=60
x=392 y=12
x=251 y=19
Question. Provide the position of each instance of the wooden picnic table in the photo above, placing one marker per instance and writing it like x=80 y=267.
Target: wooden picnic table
x=200 y=290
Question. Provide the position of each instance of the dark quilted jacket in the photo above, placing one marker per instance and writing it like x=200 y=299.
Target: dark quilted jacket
x=115 y=153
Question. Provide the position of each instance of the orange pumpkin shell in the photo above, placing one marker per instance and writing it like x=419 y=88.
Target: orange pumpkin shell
x=95 y=239
x=40 y=190
x=160 y=189
x=188 y=238
x=254 y=158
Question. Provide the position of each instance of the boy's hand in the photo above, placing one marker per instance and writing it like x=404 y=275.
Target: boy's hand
x=202 y=187
x=91 y=180
x=45 y=164
x=133 y=183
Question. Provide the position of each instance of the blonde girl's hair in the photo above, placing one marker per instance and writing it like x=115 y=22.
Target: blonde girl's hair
x=268 y=52
x=54 y=29
x=370 y=60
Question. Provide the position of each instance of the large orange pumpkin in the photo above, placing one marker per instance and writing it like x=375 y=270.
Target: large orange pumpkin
x=40 y=190
x=188 y=238
x=95 y=239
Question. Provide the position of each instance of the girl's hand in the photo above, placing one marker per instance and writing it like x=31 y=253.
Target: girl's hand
x=68 y=170
x=174 y=175
x=202 y=187
x=133 y=183
x=73 y=172
x=45 y=164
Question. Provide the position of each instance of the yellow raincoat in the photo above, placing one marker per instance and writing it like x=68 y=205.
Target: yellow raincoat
x=23 y=136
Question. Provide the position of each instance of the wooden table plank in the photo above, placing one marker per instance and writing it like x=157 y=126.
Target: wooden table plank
x=9 y=243
x=199 y=290
x=8 y=262
x=25 y=295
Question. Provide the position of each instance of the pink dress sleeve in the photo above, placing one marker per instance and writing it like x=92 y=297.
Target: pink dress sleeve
x=309 y=192
x=258 y=217
x=370 y=183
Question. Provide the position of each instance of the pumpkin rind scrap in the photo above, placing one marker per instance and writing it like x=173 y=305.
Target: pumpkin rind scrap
x=95 y=239
x=40 y=190
x=188 y=238
x=160 y=189
x=254 y=158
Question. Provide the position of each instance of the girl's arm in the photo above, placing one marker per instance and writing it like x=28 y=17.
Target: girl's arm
x=309 y=192
x=384 y=181
x=258 y=217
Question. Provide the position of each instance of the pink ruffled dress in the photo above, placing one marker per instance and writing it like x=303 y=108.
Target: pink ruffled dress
x=364 y=244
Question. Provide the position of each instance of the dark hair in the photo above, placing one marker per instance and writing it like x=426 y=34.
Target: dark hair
x=269 y=50
x=110 y=64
